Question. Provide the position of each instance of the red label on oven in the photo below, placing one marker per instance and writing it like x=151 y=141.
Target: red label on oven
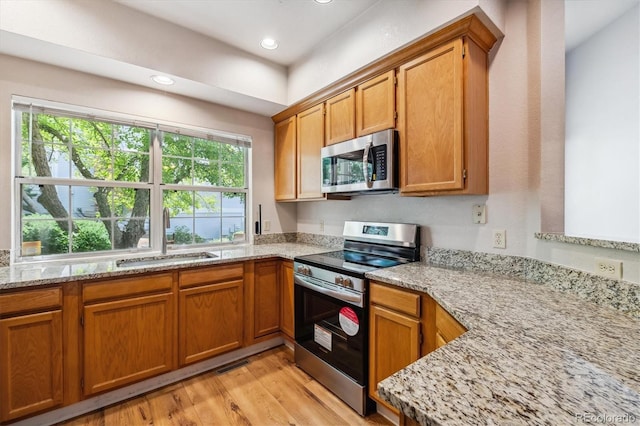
x=349 y=321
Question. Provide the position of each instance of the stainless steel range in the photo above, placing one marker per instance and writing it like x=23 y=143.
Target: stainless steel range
x=331 y=305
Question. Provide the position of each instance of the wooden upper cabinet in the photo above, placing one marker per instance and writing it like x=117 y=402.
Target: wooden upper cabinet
x=442 y=121
x=285 y=160
x=340 y=122
x=310 y=140
x=376 y=104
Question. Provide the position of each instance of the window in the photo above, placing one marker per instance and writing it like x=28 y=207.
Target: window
x=91 y=182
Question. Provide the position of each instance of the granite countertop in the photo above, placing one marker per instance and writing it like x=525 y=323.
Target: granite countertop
x=532 y=355
x=39 y=274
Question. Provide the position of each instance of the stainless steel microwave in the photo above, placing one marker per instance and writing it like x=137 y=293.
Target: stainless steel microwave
x=367 y=163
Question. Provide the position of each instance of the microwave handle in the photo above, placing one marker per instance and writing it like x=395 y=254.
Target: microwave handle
x=365 y=164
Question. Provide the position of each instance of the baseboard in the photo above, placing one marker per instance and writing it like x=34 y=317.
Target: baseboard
x=388 y=414
x=136 y=389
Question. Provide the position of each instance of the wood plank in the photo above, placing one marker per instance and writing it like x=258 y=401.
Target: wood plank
x=212 y=401
x=171 y=406
x=256 y=401
x=285 y=385
x=271 y=390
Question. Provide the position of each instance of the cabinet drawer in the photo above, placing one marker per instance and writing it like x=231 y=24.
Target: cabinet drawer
x=125 y=287
x=30 y=300
x=447 y=326
x=396 y=299
x=211 y=275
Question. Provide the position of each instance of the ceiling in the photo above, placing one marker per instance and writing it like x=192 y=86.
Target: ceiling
x=297 y=25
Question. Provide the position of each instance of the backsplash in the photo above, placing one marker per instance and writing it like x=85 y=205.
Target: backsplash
x=5 y=256
x=621 y=295
x=300 y=237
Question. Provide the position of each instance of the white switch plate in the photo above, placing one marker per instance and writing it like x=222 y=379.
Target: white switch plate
x=479 y=213
x=500 y=238
x=267 y=225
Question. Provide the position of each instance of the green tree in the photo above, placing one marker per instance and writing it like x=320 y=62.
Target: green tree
x=104 y=151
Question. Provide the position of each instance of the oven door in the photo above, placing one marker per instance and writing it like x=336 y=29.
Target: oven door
x=331 y=325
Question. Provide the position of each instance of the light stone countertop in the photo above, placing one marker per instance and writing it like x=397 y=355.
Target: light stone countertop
x=32 y=275
x=532 y=355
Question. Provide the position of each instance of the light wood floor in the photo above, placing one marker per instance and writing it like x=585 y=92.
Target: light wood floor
x=269 y=390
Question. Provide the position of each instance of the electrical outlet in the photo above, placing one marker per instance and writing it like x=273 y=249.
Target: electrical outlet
x=322 y=226
x=500 y=238
x=267 y=225
x=479 y=213
x=609 y=268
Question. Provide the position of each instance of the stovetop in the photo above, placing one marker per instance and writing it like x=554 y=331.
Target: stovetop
x=348 y=261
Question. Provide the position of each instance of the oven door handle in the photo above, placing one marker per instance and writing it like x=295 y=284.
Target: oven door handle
x=345 y=297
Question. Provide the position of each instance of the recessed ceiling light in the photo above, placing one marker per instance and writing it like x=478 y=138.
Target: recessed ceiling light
x=323 y=1
x=162 y=79
x=269 y=43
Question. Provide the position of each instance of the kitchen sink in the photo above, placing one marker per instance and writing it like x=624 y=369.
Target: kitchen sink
x=165 y=259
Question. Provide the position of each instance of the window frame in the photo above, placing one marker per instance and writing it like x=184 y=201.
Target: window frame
x=154 y=183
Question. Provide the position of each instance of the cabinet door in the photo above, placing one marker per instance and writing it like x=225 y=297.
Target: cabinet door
x=30 y=364
x=210 y=318
x=285 y=160
x=286 y=305
x=126 y=341
x=447 y=327
x=266 y=299
x=394 y=343
x=430 y=121
x=310 y=141
x=376 y=104
x=340 y=122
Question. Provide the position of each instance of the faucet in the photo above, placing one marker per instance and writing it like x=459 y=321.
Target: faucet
x=166 y=222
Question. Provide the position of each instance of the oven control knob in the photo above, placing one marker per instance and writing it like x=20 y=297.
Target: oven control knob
x=347 y=283
x=304 y=270
x=338 y=279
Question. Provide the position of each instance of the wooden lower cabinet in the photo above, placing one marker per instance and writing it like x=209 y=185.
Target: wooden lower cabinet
x=30 y=364
x=404 y=326
x=286 y=303
x=266 y=299
x=210 y=312
x=394 y=334
x=127 y=340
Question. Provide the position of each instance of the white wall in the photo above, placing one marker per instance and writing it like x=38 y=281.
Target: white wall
x=106 y=31
x=32 y=79
x=603 y=133
x=525 y=158
x=381 y=29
